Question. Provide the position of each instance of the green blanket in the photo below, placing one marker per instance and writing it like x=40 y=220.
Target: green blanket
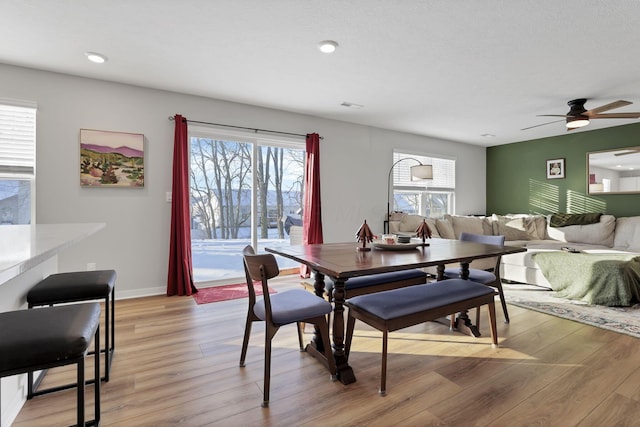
x=604 y=279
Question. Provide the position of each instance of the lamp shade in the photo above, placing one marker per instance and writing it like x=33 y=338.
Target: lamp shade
x=422 y=172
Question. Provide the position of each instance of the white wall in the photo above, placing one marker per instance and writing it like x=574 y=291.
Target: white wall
x=355 y=162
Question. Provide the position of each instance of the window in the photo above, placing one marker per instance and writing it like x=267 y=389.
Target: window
x=433 y=198
x=244 y=190
x=17 y=162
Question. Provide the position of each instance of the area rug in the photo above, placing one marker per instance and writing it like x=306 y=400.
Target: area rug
x=226 y=292
x=625 y=320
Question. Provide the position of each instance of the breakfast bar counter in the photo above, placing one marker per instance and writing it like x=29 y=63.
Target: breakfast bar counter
x=24 y=246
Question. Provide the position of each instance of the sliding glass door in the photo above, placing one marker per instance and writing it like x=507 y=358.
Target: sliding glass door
x=243 y=191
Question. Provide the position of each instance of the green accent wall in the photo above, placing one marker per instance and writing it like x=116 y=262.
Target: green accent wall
x=517 y=182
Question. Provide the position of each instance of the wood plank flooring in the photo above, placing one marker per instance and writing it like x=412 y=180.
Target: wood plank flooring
x=176 y=364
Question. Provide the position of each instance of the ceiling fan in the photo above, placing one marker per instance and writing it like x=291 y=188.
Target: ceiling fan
x=578 y=116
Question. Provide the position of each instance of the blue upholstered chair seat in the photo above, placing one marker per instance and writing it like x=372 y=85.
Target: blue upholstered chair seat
x=293 y=306
x=403 y=302
x=377 y=279
x=476 y=275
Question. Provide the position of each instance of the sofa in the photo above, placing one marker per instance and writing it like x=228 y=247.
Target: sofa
x=606 y=234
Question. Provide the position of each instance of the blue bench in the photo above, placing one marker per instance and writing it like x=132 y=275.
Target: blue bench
x=373 y=283
x=400 y=308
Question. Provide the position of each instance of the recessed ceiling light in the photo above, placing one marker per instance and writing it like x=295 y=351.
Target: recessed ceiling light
x=328 y=46
x=98 y=58
x=488 y=135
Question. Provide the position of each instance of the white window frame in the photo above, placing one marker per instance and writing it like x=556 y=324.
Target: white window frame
x=443 y=182
x=18 y=147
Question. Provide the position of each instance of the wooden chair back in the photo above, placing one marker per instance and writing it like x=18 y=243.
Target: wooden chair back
x=260 y=267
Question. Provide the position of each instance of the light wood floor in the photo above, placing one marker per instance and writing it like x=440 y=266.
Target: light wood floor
x=176 y=363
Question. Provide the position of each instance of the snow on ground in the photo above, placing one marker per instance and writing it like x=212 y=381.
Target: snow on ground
x=221 y=260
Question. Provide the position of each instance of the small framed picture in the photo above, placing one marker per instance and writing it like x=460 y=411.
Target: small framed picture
x=555 y=168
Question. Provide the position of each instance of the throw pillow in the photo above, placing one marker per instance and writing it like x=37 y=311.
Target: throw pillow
x=536 y=226
x=565 y=219
x=627 y=234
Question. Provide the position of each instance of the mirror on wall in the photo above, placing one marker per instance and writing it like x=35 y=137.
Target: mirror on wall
x=614 y=171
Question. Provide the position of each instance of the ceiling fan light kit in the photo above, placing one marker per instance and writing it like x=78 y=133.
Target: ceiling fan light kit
x=577 y=122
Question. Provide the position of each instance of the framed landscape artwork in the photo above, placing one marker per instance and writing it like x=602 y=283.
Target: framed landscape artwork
x=555 y=168
x=111 y=159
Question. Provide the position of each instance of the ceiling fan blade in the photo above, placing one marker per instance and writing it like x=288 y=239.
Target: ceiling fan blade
x=552 y=115
x=543 y=124
x=607 y=107
x=615 y=116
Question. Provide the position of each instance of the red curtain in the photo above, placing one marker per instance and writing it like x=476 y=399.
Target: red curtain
x=180 y=279
x=312 y=212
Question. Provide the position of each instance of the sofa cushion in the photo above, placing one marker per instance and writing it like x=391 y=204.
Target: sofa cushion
x=445 y=228
x=410 y=223
x=600 y=233
x=469 y=224
x=627 y=234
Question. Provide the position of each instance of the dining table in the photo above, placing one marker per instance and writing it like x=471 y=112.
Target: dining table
x=342 y=261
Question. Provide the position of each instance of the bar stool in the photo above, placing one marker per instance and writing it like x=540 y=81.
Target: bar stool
x=49 y=337
x=77 y=286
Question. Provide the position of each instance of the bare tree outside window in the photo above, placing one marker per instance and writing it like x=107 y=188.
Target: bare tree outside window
x=222 y=188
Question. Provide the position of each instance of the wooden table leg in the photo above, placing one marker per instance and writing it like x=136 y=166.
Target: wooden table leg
x=319 y=287
x=344 y=371
x=316 y=349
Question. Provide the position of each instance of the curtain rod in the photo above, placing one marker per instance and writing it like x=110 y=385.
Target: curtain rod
x=256 y=130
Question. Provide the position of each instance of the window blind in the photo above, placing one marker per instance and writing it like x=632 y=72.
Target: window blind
x=17 y=139
x=444 y=172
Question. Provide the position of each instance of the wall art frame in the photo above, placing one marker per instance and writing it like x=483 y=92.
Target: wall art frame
x=111 y=159
x=555 y=168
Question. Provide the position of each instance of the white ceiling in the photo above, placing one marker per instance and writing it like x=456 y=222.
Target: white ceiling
x=449 y=69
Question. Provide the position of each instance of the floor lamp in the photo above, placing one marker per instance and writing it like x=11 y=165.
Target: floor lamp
x=418 y=171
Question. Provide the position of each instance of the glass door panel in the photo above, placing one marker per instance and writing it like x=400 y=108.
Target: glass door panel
x=234 y=204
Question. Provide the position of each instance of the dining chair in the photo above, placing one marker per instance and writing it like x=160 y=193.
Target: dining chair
x=251 y=315
x=486 y=277
x=292 y=306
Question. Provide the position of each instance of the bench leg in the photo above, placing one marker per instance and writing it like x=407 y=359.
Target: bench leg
x=383 y=374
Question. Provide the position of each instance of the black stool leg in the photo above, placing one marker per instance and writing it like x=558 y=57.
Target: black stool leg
x=80 y=391
x=96 y=375
x=108 y=317
x=109 y=334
